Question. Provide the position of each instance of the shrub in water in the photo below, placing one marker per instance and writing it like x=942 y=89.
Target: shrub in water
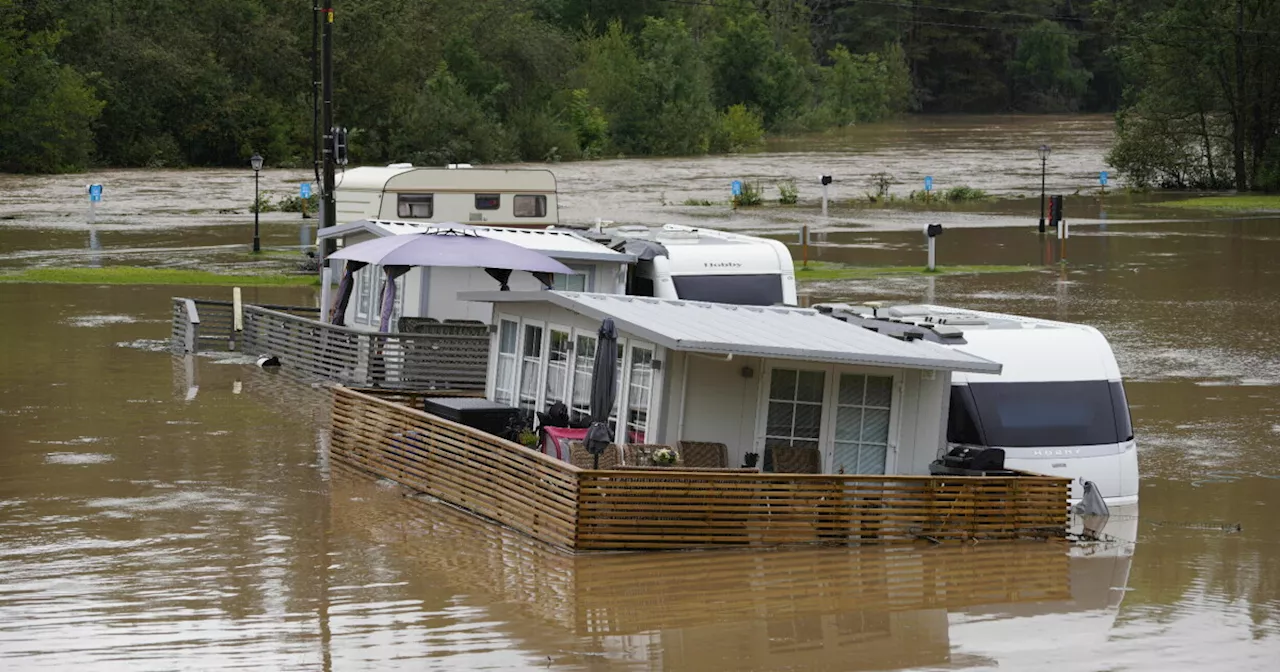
x=750 y=195
x=787 y=193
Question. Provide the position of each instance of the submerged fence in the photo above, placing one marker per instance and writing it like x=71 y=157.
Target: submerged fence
x=441 y=357
x=666 y=509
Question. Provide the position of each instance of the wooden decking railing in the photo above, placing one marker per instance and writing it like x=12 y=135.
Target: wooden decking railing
x=206 y=324
x=666 y=509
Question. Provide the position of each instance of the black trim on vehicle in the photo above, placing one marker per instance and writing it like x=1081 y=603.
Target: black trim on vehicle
x=1029 y=415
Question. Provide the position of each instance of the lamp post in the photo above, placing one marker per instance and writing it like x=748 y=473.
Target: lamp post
x=256 y=163
x=1044 y=158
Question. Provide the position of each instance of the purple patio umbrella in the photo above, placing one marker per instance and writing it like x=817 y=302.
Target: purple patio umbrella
x=445 y=247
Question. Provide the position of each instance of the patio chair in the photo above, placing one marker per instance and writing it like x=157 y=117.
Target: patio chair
x=793 y=459
x=704 y=454
x=638 y=454
x=580 y=457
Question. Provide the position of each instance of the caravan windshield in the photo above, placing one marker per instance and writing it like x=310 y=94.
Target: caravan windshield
x=741 y=290
x=1023 y=415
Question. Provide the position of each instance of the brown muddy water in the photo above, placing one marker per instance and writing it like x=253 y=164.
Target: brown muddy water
x=161 y=513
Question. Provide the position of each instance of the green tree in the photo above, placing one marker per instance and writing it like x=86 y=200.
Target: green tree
x=1044 y=69
x=46 y=108
x=1205 y=108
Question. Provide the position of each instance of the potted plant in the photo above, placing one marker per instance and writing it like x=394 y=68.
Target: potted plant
x=664 y=457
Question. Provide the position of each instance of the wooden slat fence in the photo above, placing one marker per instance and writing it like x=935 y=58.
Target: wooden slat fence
x=448 y=357
x=670 y=509
x=214 y=328
x=495 y=478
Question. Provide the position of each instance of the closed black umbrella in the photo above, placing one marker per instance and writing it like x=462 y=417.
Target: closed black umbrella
x=604 y=379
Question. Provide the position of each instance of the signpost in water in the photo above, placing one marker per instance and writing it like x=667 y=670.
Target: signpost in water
x=304 y=192
x=95 y=196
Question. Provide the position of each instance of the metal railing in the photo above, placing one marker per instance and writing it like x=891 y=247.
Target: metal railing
x=445 y=357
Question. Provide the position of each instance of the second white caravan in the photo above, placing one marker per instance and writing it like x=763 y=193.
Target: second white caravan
x=1057 y=407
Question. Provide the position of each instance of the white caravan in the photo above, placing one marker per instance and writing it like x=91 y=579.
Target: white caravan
x=696 y=264
x=1057 y=407
x=458 y=193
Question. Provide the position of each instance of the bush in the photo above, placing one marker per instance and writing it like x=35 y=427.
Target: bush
x=740 y=129
x=293 y=203
x=751 y=195
x=964 y=193
x=787 y=193
x=698 y=202
x=263 y=204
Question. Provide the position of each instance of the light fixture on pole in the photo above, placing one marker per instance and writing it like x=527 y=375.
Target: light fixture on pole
x=256 y=163
x=1044 y=158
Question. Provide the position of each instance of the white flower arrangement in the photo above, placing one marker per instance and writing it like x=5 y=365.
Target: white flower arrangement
x=664 y=457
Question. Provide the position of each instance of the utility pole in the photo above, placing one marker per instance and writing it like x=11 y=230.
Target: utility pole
x=329 y=215
x=315 y=90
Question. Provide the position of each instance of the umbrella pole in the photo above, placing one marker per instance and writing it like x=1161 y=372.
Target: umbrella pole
x=595 y=461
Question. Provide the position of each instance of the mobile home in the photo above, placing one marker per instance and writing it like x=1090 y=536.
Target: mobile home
x=401 y=191
x=431 y=293
x=805 y=392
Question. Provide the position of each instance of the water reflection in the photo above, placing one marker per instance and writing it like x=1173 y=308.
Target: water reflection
x=810 y=608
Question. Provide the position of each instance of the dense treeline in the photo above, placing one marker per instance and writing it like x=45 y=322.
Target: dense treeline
x=1205 y=113
x=168 y=83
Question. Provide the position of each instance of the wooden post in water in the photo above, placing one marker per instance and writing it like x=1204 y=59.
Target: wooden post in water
x=237 y=316
x=192 y=335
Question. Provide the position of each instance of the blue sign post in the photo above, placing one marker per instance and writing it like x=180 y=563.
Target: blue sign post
x=304 y=190
x=736 y=187
x=928 y=183
x=1102 y=178
x=95 y=196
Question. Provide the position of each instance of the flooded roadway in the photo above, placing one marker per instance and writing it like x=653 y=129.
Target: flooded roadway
x=159 y=513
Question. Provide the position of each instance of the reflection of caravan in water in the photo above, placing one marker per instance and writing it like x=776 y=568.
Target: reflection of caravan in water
x=1058 y=406
x=401 y=191
x=682 y=262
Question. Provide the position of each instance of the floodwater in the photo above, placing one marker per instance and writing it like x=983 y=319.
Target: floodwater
x=161 y=513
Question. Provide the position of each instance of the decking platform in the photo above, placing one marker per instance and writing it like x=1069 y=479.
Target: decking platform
x=608 y=510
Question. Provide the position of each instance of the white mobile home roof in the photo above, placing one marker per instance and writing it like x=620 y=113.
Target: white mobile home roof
x=556 y=243
x=752 y=331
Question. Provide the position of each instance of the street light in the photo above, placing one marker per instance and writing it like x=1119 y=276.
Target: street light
x=256 y=163
x=1044 y=157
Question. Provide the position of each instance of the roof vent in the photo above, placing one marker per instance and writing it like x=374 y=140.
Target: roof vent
x=399 y=165
x=454 y=166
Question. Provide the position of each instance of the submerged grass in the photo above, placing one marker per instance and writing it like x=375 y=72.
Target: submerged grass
x=1239 y=203
x=820 y=270
x=139 y=275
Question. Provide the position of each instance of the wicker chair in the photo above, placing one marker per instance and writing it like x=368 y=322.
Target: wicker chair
x=793 y=459
x=581 y=458
x=638 y=454
x=704 y=454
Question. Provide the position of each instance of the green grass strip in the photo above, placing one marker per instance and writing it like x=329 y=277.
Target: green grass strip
x=820 y=270
x=139 y=275
x=1241 y=203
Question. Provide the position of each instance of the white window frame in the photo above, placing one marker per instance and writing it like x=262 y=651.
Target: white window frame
x=588 y=273
x=625 y=345
x=541 y=368
x=827 y=430
x=495 y=345
x=567 y=392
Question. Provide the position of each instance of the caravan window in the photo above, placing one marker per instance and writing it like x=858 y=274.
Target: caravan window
x=529 y=206
x=741 y=290
x=1022 y=415
x=415 y=205
x=488 y=201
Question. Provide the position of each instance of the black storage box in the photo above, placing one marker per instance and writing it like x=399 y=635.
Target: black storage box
x=482 y=414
